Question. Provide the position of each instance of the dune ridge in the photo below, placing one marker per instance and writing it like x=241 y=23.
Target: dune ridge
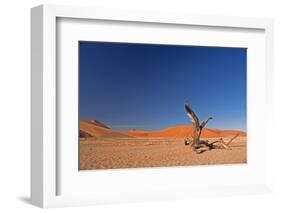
x=94 y=128
x=185 y=131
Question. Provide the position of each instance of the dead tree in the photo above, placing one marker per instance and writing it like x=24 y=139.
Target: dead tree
x=200 y=146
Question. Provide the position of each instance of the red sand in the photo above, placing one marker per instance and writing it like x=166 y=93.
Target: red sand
x=185 y=131
x=98 y=129
x=105 y=148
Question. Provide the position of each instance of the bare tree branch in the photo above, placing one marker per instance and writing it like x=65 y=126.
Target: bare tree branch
x=232 y=139
x=203 y=124
x=194 y=119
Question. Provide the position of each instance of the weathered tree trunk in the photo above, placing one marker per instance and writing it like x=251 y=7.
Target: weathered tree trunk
x=197 y=128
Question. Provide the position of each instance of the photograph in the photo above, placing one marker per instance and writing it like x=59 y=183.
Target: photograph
x=144 y=105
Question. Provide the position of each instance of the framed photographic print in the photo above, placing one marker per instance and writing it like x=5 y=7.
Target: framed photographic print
x=130 y=106
x=131 y=110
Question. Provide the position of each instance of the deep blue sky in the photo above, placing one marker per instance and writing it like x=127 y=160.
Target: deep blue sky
x=144 y=86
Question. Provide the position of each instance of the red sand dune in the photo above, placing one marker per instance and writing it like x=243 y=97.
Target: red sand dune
x=232 y=132
x=98 y=123
x=185 y=131
x=94 y=122
x=95 y=128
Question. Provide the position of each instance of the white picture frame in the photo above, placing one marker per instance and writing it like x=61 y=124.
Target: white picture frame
x=45 y=156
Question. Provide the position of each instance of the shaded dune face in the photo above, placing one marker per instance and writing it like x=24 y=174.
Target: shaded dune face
x=94 y=128
x=83 y=134
x=94 y=122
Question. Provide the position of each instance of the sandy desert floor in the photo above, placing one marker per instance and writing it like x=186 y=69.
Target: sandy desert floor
x=115 y=153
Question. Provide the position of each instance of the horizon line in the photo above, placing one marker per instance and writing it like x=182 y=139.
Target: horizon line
x=115 y=127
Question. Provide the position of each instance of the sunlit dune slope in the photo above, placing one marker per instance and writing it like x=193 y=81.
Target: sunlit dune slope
x=94 y=128
x=185 y=131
